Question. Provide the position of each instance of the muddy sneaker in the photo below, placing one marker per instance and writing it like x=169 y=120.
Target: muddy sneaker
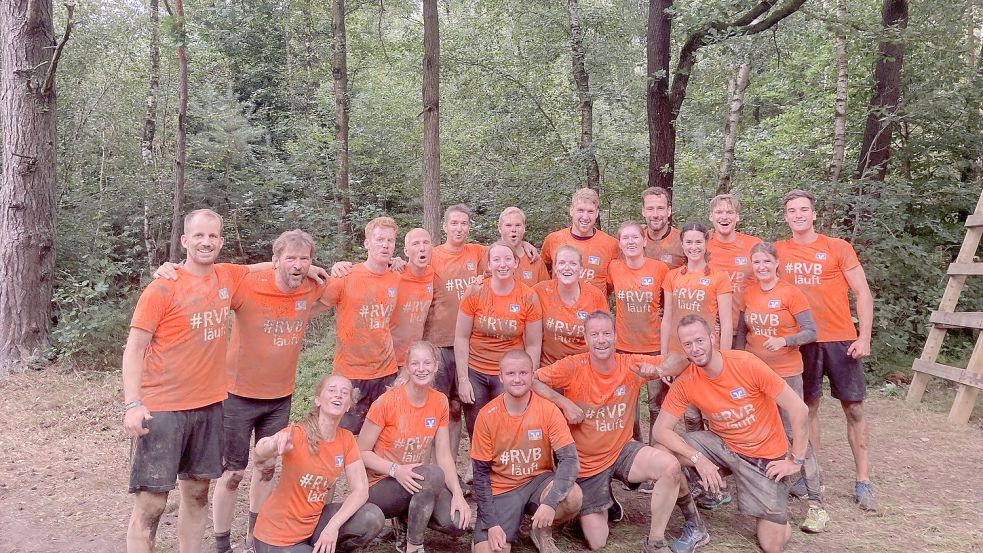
x=646 y=486
x=709 y=501
x=616 y=513
x=655 y=546
x=816 y=520
x=690 y=537
x=542 y=538
x=863 y=495
x=399 y=533
x=798 y=488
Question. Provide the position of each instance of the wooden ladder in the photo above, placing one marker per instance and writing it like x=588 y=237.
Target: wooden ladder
x=970 y=379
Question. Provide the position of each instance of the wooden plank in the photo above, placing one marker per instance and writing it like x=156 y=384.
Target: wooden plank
x=974 y=269
x=975 y=220
x=953 y=374
x=930 y=353
x=962 y=406
x=968 y=319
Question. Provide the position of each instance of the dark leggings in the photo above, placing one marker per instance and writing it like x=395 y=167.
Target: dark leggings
x=486 y=388
x=356 y=532
x=429 y=507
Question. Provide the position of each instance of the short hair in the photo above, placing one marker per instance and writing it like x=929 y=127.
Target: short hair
x=765 y=247
x=587 y=195
x=568 y=248
x=380 y=223
x=292 y=238
x=799 y=193
x=517 y=355
x=597 y=315
x=457 y=208
x=201 y=212
x=657 y=191
x=626 y=224
x=694 y=319
x=728 y=198
x=511 y=211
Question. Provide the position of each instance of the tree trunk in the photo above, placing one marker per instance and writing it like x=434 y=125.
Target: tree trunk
x=582 y=80
x=662 y=133
x=970 y=34
x=27 y=214
x=182 y=131
x=876 y=148
x=736 y=86
x=431 y=119
x=339 y=72
x=840 y=103
x=150 y=129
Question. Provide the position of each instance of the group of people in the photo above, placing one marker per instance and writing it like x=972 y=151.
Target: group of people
x=727 y=333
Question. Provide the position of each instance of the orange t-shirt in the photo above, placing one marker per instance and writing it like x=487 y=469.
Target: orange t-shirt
x=563 y=325
x=597 y=251
x=638 y=304
x=694 y=292
x=818 y=270
x=364 y=303
x=772 y=314
x=734 y=260
x=267 y=334
x=454 y=273
x=498 y=323
x=413 y=300
x=291 y=513
x=407 y=430
x=608 y=401
x=531 y=273
x=739 y=405
x=188 y=318
x=669 y=250
x=519 y=447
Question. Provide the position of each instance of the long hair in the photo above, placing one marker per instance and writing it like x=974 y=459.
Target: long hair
x=309 y=422
x=424 y=345
x=696 y=226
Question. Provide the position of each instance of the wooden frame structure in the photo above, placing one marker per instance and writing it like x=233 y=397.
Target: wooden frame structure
x=970 y=379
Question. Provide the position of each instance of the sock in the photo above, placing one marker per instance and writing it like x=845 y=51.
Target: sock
x=222 y=544
x=688 y=507
x=250 y=528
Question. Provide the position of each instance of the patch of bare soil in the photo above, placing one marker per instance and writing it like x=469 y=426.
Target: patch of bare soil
x=64 y=470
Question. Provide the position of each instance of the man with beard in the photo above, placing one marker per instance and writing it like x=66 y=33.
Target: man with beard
x=512 y=231
x=662 y=241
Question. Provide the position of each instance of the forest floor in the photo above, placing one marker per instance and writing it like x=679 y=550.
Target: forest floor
x=63 y=478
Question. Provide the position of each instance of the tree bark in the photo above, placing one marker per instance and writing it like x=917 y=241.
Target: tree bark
x=840 y=103
x=662 y=132
x=182 y=131
x=27 y=215
x=431 y=119
x=581 y=78
x=339 y=72
x=736 y=86
x=150 y=129
x=970 y=34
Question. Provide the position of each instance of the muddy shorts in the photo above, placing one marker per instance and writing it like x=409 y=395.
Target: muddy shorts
x=846 y=374
x=757 y=495
x=511 y=505
x=597 y=488
x=245 y=415
x=180 y=444
x=369 y=390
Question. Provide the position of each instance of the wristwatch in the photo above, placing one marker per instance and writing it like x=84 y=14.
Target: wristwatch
x=392 y=469
x=796 y=460
x=132 y=404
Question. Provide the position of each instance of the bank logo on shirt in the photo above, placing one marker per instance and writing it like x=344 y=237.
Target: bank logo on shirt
x=513 y=308
x=223 y=293
x=527 y=275
x=740 y=261
x=391 y=292
x=300 y=305
x=821 y=256
x=469 y=265
x=620 y=390
x=430 y=422
x=705 y=281
x=581 y=315
x=648 y=281
x=593 y=260
x=535 y=435
x=738 y=393
x=667 y=258
x=339 y=460
x=774 y=304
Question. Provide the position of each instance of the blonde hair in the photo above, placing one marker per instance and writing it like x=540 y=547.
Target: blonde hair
x=202 y=212
x=587 y=195
x=511 y=211
x=569 y=248
x=728 y=198
x=293 y=238
x=309 y=422
x=626 y=224
x=424 y=345
x=381 y=223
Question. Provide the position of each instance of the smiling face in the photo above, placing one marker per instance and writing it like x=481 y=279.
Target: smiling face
x=512 y=229
x=724 y=218
x=566 y=266
x=202 y=239
x=336 y=396
x=599 y=334
x=694 y=245
x=501 y=262
x=765 y=267
x=291 y=266
x=421 y=366
x=697 y=343
x=656 y=212
x=583 y=216
x=516 y=375
x=631 y=241
x=800 y=215
x=380 y=243
x=457 y=225
x=418 y=248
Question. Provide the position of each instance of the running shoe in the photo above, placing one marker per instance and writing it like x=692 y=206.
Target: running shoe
x=543 y=540
x=709 y=501
x=816 y=520
x=399 y=534
x=690 y=537
x=863 y=495
x=655 y=547
x=616 y=513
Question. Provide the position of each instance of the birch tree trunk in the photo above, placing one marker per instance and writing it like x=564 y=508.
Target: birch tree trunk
x=840 y=102
x=581 y=78
x=182 y=132
x=736 y=86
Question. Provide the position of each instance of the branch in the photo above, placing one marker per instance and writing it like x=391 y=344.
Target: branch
x=167 y=6
x=49 y=79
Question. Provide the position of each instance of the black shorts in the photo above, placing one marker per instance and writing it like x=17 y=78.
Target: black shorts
x=511 y=505
x=368 y=391
x=243 y=416
x=597 y=488
x=445 y=381
x=180 y=444
x=846 y=374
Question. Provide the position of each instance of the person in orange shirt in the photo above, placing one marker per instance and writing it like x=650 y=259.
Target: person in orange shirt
x=730 y=250
x=596 y=247
x=662 y=241
x=364 y=303
x=516 y=437
x=415 y=293
x=598 y=390
x=566 y=303
x=512 y=231
x=775 y=321
x=740 y=397
x=826 y=269
x=174 y=385
x=501 y=314
x=299 y=517
x=396 y=440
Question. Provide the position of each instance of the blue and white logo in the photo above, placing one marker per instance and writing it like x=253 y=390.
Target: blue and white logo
x=300 y=305
x=469 y=265
x=430 y=288
x=705 y=281
x=513 y=308
x=620 y=390
x=339 y=460
x=821 y=256
x=223 y=293
x=527 y=275
x=738 y=393
x=648 y=281
x=740 y=261
x=593 y=260
x=774 y=304
x=535 y=435
x=430 y=422
x=391 y=292
x=581 y=315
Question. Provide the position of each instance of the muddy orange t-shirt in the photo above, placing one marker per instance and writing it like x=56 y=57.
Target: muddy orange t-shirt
x=772 y=314
x=734 y=260
x=637 y=304
x=596 y=251
x=531 y=273
x=454 y=273
x=739 y=405
x=364 y=302
x=498 y=323
x=694 y=292
x=668 y=250
x=267 y=334
x=413 y=298
x=188 y=318
x=519 y=447
x=608 y=401
x=291 y=513
x=818 y=270
x=563 y=325
x=407 y=430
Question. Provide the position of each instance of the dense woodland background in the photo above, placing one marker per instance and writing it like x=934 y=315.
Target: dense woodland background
x=262 y=146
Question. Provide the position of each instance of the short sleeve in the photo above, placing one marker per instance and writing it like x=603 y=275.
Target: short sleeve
x=151 y=306
x=768 y=380
x=379 y=411
x=443 y=419
x=846 y=255
x=546 y=253
x=667 y=283
x=559 y=431
x=534 y=311
x=482 y=448
x=331 y=294
x=722 y=283
x=297 y=437
x=470 y=303
x=797 y=302
x=559 y=374
x=677 y=400
x=352 y=453
x=234 y=273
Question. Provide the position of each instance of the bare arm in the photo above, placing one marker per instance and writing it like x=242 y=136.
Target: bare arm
x=442 y=448
x=798 y=415
x=857 y=279
x=725 y=308
x=667 y=437
x=666 y=330
x=358 y=494
x=573 y=413
x=741 y=336
x=133 y=366
x=366 y=441
x=532 y=339
x=462 y=351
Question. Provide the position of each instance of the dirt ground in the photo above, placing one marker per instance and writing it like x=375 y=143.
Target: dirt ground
x=63 y=477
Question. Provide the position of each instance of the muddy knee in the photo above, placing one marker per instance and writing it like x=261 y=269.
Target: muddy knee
x=233 y=478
